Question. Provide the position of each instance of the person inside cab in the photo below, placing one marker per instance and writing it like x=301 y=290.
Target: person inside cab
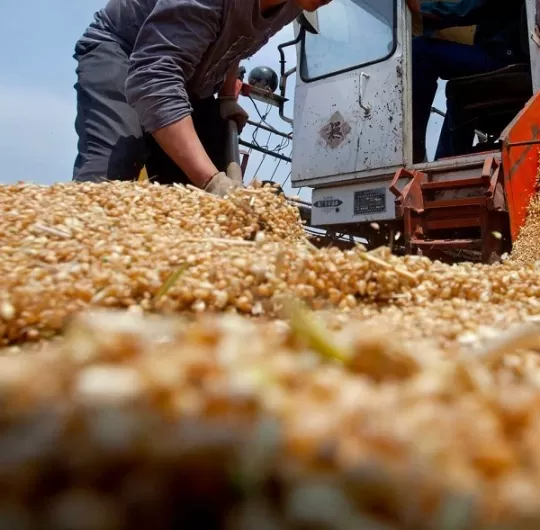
x=148 y=74
x=452 y=39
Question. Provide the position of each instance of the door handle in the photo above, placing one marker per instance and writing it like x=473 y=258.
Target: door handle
x=363 y=82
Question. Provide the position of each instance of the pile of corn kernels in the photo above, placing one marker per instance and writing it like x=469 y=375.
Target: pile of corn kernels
x=526 y=248
x=410 y=399
x=160 y=249
x=68 y=247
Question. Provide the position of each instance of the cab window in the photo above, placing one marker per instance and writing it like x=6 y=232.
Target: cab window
x=352 y=33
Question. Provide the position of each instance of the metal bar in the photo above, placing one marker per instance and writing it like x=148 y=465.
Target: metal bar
x=526 y=142
x=232 y=151
x=300 y=201
x=455 y=203
x=483 y=136
x=285 y=74
x=269 y=129
x=449 y=243
x=449 y=224
x=262 y=95
x=265 y=151
x=305 y=213
x=283 y=88
x=435 y=110
x=458 y=162
x=450 y=184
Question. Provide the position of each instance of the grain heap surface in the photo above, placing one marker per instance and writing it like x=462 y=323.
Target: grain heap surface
x=116 y=245
x=420 y=404
x=68 y=247
x=230 y=423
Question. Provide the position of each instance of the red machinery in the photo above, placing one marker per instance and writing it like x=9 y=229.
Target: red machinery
x=352 y=135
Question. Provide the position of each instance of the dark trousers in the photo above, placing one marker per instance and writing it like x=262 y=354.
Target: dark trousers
x=434 y=59
x=112 y=144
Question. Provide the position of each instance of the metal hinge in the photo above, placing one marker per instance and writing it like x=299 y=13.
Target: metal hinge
x=535 y=35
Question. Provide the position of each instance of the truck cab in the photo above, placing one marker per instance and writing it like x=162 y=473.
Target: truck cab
x=353 y=134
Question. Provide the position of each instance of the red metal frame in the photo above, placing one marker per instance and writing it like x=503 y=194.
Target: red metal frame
x=425 y=214
x=409 y=203
x=506 y=189
x=259 y=94
x=520 y=159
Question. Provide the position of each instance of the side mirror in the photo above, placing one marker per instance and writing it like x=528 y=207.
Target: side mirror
x=309 y=22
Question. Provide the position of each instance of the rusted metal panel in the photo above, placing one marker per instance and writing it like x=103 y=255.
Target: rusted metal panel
x=521 y=144
x=434 y=225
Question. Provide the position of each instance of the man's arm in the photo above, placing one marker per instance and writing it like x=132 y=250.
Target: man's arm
x=180 y=141
x=171 y=42
x=449 y=13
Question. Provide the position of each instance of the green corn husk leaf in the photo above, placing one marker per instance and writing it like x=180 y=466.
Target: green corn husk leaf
x=308 y=327
x=170 y=281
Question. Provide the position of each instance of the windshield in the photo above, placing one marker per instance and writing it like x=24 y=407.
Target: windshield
x=352 y=33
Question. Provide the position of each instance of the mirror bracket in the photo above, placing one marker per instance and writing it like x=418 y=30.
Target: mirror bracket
x=309 y=22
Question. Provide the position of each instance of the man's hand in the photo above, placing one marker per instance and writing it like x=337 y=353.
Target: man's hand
x=222 y=185
x=229 y=109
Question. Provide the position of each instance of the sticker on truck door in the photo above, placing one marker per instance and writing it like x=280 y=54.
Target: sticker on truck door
x=368 y=202
x=328 y=204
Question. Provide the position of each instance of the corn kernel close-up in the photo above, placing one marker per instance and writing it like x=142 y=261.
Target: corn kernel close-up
x=170 y=359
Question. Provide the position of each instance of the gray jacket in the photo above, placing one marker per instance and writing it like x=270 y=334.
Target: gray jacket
x=181 y=47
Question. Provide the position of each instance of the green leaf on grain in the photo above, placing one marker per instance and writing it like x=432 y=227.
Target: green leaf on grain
x=170 y=281
x=305 y=325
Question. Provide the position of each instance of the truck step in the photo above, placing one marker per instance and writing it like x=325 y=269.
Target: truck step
x=446 y=243
x=453 y=222
x=455 y=203
x=455 y=184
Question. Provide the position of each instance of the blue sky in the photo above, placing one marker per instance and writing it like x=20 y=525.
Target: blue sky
x=37 y=99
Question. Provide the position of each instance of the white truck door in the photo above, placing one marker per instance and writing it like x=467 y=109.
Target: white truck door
x=352 y=93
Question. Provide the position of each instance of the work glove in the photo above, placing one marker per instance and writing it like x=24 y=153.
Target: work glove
x=229 y=109
x=234 y=172
x=222 y=185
